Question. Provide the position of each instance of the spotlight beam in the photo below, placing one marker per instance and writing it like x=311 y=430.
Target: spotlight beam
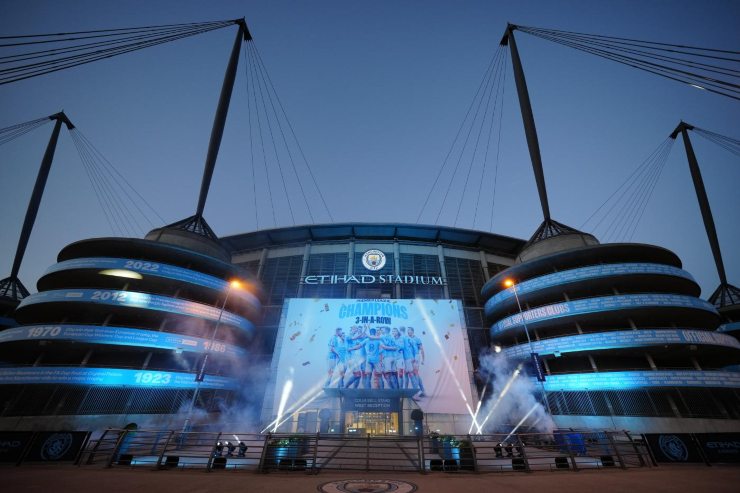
x=284 y=398
x=521 y=421
x=503 y=393
x=296 y=411
x=446 y=360
x=477 y=410
x=311 y=394
x=316 y=389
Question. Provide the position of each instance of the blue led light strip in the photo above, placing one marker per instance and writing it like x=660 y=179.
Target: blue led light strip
x=622 y=339
x=132 y=299
x=113 y=377
x=619 y=380
x=584 y=273
x=729 y=327
x=119 y=336
x=600 y=304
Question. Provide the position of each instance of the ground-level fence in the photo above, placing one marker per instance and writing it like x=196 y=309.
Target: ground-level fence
x=313 y=453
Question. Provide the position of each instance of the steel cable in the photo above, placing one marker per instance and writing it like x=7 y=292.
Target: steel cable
x=625 y=187
x=131 y=43
x=12 y=132
x=292 y=131
x=118 y=199
x=263 y=71
x=501 y=74
x=492 y=83
x=251 y=143
x=457 y=135
x=465 y=143
x=498 y=145
x=711 y=84
x=262 y=140
x=274 y=145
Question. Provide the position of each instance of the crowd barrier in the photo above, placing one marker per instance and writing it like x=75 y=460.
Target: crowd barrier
x=313 y=453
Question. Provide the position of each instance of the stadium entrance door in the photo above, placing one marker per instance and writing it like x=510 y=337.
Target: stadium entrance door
x=371 y=423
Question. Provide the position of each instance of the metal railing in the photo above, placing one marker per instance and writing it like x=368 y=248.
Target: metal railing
x=313 y=453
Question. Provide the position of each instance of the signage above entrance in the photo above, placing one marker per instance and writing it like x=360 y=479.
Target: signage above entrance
x=373 y=279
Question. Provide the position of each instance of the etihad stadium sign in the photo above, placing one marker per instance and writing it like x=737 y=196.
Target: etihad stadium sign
x=373 y=279
x=374 y=260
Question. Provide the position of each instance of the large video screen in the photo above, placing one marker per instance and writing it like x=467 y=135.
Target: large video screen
x=415 y=346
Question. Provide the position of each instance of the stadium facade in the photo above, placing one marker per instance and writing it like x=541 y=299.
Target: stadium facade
x=119 y=330
x=623 y=338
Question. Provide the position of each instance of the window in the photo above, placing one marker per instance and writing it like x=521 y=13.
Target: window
x=326 y=264
x=280 y=278
x=420 y=265
x=465 y=279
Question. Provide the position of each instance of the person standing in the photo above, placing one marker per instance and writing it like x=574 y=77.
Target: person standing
x=337 y=358
x=372 y=363
x=407 y=352
x=355 y=356
x=418 y=357
x=398 y=356
x=388 y=357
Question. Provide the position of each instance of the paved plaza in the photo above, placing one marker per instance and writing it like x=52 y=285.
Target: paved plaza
x=61 y=479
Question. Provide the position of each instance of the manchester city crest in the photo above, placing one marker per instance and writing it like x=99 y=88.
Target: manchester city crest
x=367 y=486
x=673 y=448
x=56 y=446
x=373 y=259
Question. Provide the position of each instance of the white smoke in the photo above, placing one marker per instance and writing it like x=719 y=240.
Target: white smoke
x=514 y=398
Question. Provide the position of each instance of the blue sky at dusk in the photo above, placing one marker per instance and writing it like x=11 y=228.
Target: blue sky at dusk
x=375 y=92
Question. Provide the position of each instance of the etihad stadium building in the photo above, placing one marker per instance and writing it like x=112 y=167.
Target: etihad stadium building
x=350 y=328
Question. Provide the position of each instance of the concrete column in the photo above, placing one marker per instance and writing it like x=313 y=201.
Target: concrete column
x=484 y=264
x=650 y=361
x=611 y=411
x=695 y=363
x=261 y=266
x=350 y=266
x=86 y=358
x=442 y=268
x=673 y=405
x=593 y=363
x=304 y=266
x=547 y=367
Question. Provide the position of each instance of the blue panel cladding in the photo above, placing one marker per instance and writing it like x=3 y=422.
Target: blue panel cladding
x=622 y=380
x=600 y=304
x=622 y=339
x=591 y=272
x=113 y=377
x=119 y=336
x=156 y=269
x=132 y=299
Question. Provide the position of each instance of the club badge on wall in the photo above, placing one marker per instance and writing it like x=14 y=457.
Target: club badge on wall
x=373 y=260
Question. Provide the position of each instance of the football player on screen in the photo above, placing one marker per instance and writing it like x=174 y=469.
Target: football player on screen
x=417 y=349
